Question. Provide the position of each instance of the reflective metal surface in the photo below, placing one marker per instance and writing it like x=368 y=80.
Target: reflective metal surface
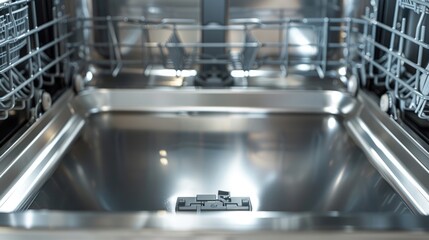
x=238 y=222
x=256 y=143
x=394 y=151
x=269 y=78
x=131 y=235
x=66 y=225
x=144 y=162
x=308 y=159
x=25 y=165
x=311 y=158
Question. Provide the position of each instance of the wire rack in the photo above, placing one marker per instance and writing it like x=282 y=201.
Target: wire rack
x=392 y=67
x=115 y=44
x=175 y=44
x=26 y=62
x=14 y=23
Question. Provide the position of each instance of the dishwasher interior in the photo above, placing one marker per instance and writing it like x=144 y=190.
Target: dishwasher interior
x=309 y=165
x=291 y=107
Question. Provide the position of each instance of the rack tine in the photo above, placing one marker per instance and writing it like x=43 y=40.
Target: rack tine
x=176 y=53
x=249 y=52
x=325 y=47
x=284 y=56
x=116 y=48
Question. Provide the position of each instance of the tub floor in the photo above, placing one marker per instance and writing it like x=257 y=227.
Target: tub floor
x=142 y=162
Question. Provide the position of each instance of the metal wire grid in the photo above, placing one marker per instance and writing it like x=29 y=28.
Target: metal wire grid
x=13 y=19
x=14 y=23
x=25 y=65
x=413 y=4
x=3 y=28
x=406 y=78
x=328 y=35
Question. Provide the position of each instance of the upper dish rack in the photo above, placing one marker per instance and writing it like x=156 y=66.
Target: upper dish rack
x=339 y=46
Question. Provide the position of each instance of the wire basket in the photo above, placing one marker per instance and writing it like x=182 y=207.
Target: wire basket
x=325 y=45
x=13 y=19
x=10 y=52
x=407 y=78
x=19 y=21
x=26 y=63
x=174 y=44
x=416 y=6
x=14 y=23
x=329 y=44
x=4 y=29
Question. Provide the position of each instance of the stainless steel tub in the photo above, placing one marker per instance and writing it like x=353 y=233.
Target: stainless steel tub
x=312 y=157
x=316 y=153
x=127 y=161
x=295 y=162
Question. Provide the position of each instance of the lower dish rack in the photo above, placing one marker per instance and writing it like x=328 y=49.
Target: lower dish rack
x=340 y=47
x=26 y=63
